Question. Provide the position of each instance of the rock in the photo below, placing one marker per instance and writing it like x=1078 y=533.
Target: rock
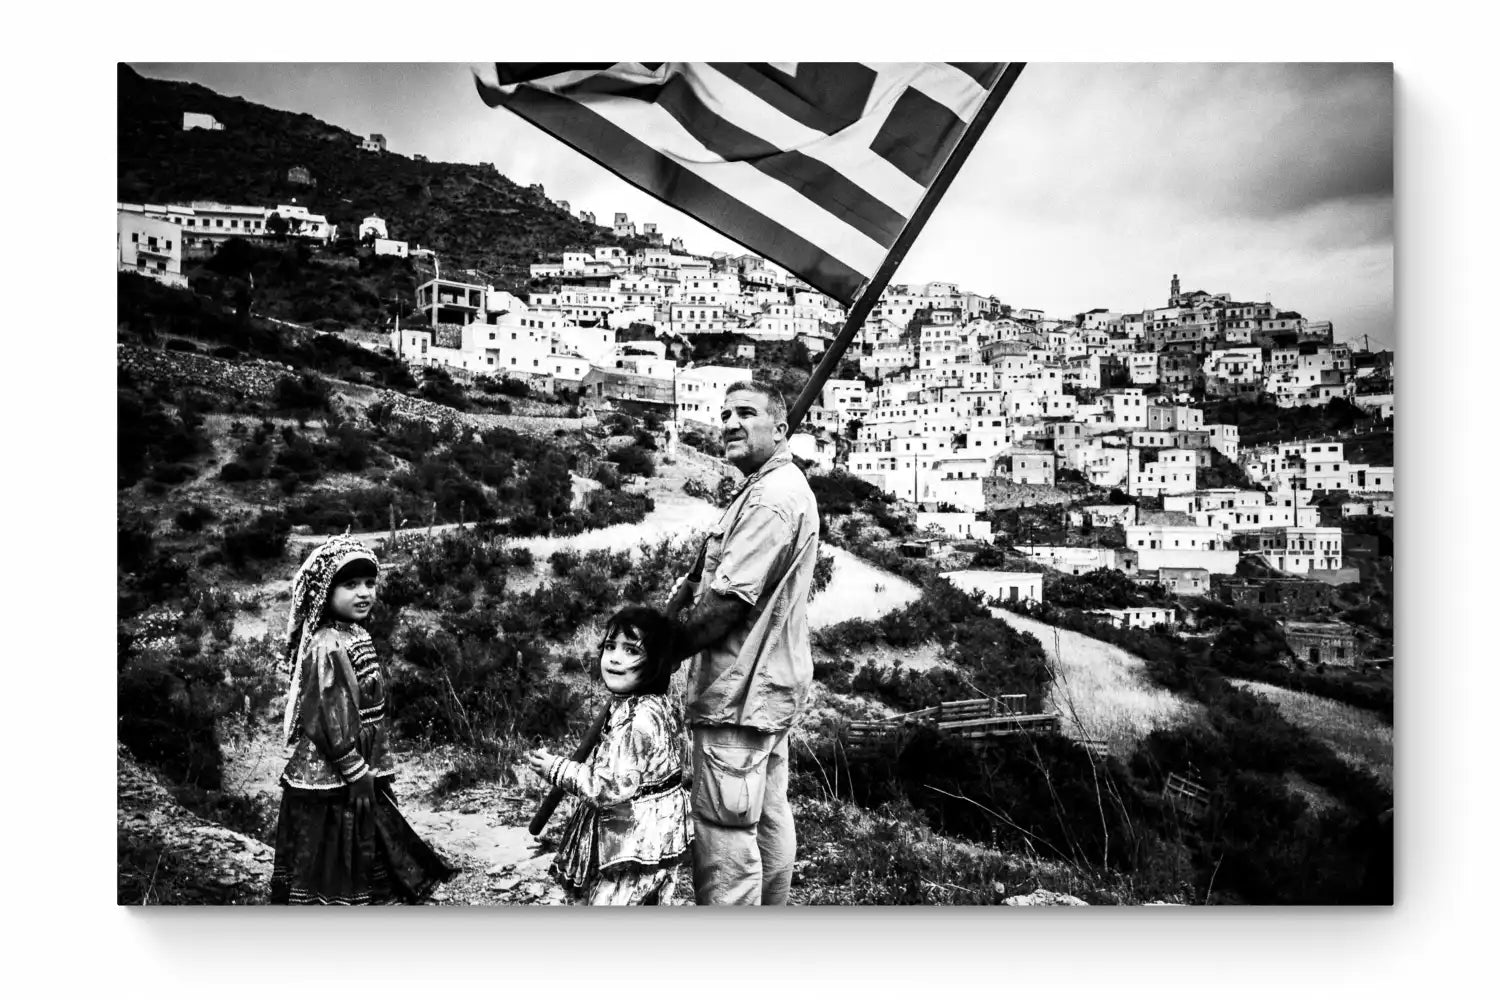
x=506 y=885
x=1043 y=897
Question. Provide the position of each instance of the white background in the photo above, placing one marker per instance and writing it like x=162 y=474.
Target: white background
x=57 y=872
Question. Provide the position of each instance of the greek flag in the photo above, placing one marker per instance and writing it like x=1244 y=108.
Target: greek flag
x=817 y=166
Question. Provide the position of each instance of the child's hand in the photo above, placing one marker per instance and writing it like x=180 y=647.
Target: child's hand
x=540 y=761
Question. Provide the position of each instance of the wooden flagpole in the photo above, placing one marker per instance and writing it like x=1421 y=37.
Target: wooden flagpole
x=869 y=294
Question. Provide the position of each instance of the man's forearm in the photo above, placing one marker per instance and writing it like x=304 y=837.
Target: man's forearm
x=711 y=619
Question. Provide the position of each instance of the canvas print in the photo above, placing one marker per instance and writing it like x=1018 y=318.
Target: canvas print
x=755 y=484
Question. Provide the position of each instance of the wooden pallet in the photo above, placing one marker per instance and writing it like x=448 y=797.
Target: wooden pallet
x=1188 y=797
x=979 y=718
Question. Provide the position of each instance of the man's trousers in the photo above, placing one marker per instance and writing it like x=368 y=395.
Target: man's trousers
x=744 y=843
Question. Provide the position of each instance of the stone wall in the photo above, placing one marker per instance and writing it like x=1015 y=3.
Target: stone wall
x=243 y=379
x=255 y=379
x=1001 y=493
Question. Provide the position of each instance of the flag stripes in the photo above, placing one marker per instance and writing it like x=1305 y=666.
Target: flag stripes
x=680 y=96
x=657 y=174
x=818 y=166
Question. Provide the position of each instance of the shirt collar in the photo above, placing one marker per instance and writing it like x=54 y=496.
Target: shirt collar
x=781 y=456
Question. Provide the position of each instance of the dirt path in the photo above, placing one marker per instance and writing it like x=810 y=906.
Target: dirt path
x=858 y=589
x=1101 y=691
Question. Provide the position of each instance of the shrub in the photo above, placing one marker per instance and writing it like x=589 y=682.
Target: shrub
x=607 y=476
x=262 y=538
x=822 y=572
x=518 y=388
x=563 y=561
x=134 y=543
x=194 y=518
x=472 y=689
x=167 y=706
x=303 y=393
x=438 y=387
x=633 y=460
x=173 y=473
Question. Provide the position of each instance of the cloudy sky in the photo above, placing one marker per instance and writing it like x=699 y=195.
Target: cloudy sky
x=1093 y=185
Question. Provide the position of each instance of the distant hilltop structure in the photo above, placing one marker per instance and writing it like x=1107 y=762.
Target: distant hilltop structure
x=587 y=217
x=196 y=119
x=299 y=175
x=374 y=144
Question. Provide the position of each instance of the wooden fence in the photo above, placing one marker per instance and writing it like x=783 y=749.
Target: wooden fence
x=975 y=719
x=1187 y=796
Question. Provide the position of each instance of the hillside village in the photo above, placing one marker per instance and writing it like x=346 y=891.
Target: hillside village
x=1205 y=483
x=961 y=405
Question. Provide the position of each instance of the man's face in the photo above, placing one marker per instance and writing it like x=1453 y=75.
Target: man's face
x=751 y=434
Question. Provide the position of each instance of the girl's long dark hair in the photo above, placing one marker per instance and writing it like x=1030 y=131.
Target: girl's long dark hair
x=655 y=632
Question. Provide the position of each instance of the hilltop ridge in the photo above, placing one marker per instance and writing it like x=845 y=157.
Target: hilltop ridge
x=470 y=213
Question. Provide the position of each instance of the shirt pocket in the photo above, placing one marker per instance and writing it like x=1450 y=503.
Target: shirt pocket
x=713 y=554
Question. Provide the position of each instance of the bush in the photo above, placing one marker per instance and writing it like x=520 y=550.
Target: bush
x=304 y=393
x=822 y=572
x=474 y=690
x=167 y=706
x=234 y=472
x=563 y=561
x=606 y=476
x=438 y=387
x=262 y=538
x=194 y=518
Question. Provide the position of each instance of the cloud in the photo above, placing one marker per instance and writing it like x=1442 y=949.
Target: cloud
x=1261 y=140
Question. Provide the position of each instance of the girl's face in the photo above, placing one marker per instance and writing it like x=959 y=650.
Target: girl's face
x=622 y=661
x=352 y=599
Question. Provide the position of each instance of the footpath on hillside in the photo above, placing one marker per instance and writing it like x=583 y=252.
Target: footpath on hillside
x=1101 y=691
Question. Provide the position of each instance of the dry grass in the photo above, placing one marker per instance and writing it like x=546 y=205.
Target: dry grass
x=1358 y=736
x=1101 y=691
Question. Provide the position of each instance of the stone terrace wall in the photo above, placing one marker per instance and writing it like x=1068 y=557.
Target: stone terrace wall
x=244 y=379
x=1000 y=493
x=255 y=379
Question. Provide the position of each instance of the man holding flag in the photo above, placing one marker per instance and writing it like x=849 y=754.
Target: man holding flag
x=830 y=170
x=752 y=666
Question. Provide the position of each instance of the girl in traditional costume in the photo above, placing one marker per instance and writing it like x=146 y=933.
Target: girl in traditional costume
x=630 y=834
x=340 y=838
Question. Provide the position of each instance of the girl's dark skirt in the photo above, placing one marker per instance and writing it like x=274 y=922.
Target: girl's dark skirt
x=325 y=855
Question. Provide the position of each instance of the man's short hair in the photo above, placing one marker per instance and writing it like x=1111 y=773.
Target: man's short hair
x=775 y=402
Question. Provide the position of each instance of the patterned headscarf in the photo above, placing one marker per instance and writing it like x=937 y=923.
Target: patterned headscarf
x=309 y=608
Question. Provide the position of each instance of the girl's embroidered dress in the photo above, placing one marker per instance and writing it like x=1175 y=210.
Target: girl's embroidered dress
x=628 y=838
x=337 y=727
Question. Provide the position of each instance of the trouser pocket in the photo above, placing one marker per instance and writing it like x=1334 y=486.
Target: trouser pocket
x=730 y=789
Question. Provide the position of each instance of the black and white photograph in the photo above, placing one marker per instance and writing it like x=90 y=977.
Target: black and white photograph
x=817 y=484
